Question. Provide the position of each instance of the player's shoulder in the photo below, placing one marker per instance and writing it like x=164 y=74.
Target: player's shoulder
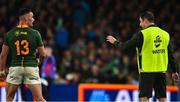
x=34 y=30
x=11 y=31
x=164 y=31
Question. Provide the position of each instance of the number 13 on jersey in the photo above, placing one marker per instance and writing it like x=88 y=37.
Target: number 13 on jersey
x=22 y=47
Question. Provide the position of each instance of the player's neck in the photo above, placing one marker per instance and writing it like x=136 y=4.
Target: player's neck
x=22 y=25
x=150 y=24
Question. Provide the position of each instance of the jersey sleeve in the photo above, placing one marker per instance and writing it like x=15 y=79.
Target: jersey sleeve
x=39 y=40
x=135 y=41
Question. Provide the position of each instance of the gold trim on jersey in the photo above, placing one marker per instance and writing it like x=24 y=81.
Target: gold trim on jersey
x=22 y=26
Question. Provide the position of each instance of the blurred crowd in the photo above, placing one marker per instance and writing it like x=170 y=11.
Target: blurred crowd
x=74 y=33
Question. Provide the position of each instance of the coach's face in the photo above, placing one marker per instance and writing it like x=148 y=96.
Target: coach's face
x=142 y=23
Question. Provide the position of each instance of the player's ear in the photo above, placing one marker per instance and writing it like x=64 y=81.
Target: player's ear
x=26 y=17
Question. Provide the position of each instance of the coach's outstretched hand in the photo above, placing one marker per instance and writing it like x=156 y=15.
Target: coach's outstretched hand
x=175 y=77
x=111 y=39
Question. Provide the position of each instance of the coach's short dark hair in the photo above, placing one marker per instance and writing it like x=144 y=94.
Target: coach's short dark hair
x=147 y=15
x=24 y=11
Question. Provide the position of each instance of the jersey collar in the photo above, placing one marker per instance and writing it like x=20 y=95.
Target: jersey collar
x=153 y=25
x=22 y=26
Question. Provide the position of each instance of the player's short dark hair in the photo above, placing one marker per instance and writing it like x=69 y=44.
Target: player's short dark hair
x=23 y=11
x=147 y=15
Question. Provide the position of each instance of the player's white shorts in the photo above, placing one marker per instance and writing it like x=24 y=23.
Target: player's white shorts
x=27 y=75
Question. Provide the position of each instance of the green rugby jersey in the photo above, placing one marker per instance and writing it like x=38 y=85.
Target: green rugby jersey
x=23 y=44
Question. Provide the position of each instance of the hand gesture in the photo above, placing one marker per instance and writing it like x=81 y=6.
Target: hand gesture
x=111 y=39
x=175 y=77
x=38 y=61
x=2 y=75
